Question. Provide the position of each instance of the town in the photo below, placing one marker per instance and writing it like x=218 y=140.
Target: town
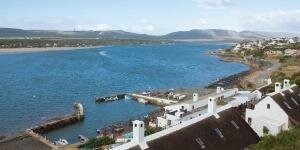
x=237 y=117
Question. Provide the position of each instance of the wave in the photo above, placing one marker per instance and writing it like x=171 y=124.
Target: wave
x=103 y=53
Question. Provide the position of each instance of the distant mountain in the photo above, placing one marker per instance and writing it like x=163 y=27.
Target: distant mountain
x=118 y=34
x=203 y=34
x=196 y=34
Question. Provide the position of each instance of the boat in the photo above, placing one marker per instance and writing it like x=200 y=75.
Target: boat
x=141 y=100
x=61 y=142
x=128 y=97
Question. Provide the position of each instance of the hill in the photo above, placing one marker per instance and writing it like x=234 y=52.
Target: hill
x=195 y=34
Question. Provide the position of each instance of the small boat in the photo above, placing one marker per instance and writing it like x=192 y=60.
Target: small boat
x=128 y=97
x=141 y=100
x=61 y=142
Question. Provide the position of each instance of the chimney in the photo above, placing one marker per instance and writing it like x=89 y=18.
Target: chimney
x=212 y=105
x=219 y=89
x=277 y=87
x=195 y=97
x=138 y=131
x=286 y=83
x=269 y=81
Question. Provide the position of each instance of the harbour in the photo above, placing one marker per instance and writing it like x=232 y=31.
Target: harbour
x=90 y=84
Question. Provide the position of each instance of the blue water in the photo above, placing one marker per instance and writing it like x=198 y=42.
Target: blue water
x=37 y=86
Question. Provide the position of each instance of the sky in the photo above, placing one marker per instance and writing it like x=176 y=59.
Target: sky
x=154 y=17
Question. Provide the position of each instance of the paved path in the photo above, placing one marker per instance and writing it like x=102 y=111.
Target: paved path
x=259 y=77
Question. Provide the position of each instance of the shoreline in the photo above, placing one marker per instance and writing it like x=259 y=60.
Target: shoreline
x=202 y=90
x=41 y=49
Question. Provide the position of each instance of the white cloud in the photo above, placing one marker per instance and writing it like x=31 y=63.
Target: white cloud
x=145 y=26
x=203 y=22
x=279 y=20
x=213 y=4
x=144 y=20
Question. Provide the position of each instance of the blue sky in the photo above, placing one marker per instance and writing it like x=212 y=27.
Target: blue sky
x=151 y=16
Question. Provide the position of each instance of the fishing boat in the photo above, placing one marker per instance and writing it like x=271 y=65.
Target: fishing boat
x=61 y=142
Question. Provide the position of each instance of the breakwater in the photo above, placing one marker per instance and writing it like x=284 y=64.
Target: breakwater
x=100 y=99
x=57 y=123
x=60 y=122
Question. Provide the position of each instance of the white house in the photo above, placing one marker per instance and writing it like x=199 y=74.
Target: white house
x=277 y=111
x=178 y=113
x=220 y=128
x=290 y=52
x=237 y=48
x=291 y=41
x=262 y=91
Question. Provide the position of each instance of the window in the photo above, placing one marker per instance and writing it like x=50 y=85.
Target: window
x=217 y=130
x=234 y=124
x=249 y=121
x=200 y=142
x=141 y=125
x=294 y=101
x=287 y=105
x=135 y=125
x=193 y=107
x=268 y=106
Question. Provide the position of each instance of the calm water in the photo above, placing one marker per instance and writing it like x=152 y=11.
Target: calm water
x=37 y=86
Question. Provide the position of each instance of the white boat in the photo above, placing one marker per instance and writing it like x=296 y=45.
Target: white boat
x=61 y=142
x=128 y=97
x=141 y=100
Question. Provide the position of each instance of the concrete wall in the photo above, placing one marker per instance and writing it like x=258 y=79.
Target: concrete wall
x=274 y=118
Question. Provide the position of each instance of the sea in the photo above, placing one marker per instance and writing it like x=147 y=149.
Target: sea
x=38 y=86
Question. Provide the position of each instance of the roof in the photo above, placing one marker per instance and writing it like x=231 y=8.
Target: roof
x=229 y=131
x=264 y=89
x=289 y=101
x=23 y=142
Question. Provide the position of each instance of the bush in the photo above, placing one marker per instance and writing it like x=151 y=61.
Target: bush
x=286 y=140
x=265 y=130
x=98 y=142
x=152 y=130
x=297 y=81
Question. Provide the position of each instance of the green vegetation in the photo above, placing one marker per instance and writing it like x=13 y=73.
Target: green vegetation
x=221 y=102
x=265 y=130
x=290 y=69
x=29 y=43
x=98 y=142
x=286 y=140
x=152 y=130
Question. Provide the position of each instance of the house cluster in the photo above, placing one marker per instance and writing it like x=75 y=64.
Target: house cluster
x=262 y=43
x=203 y=124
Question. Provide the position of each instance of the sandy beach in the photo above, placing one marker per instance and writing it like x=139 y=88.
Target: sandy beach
x=40 y=49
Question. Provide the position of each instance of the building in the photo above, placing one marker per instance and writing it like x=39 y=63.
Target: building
x=272 y=53
x=291 y=41
x=219 y=128
x=263 y=90
x=178 y=113
x=291 y=52
x=237 y=48
x=278 y=111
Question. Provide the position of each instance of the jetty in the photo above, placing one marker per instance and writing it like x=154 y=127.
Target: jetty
x=61 y=121
x=154 y=100
x=100 y=99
